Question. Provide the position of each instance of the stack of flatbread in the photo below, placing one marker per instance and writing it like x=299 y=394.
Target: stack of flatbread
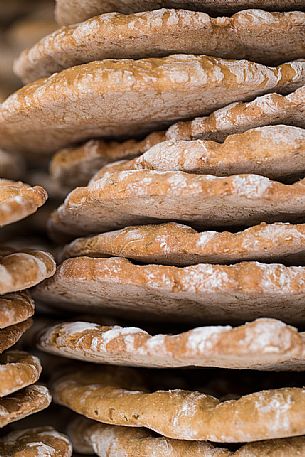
x=177 y=130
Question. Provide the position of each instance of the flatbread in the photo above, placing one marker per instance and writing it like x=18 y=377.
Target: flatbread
x=21 y=404
x=113 y=105
x=71 y=11
x=264 y=344
x=10 y=335
x=163 y=32
x=19 y=200
x=140 y=197
x=276 y=151
x=75 y=166
x=180 y=245
x=119 y=396
x=21 y=270
x=200 y=293
x=17 y=370
x=35 y=442
x=16 y=307
x=107 y=440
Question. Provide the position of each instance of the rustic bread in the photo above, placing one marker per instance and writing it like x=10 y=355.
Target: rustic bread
x=200 y=293
x=110 y=104
x=16 y=307
x=10 y=335
x=18 y=370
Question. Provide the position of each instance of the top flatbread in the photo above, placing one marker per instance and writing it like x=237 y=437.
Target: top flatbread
x=19 y=200
x=71 y=11
x=75 y=166
x=163 y=32
x=123 y=97
x=35 y=442
x=89 y=436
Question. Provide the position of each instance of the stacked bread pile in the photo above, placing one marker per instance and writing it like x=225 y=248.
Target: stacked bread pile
x=181 y=136
x=20 y=396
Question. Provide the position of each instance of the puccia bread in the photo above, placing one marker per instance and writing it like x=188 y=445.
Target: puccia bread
x=89 y=436
x=76 y=165
x=177 y=244
x=163 y=32
x=264 y=344
x=200 y=293
x=118 y=396
x=136 y=197
x=71 y=11
x=111 y=104
x=10 y=335
x=18 y=370
x=16 y=307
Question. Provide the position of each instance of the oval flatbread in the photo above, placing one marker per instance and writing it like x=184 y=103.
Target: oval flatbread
x=21 y=270
x=89 y=436
x=200 y=293
x=116 y=98
x=16 y=307
x=140 y=197
x=17 y=370
x=163 y=32
x=264 y=344
x=35 y=442
x=19 y=200
x=11 y=335
x=180 y=245
x=110 y=395
x=71 y=11
x=23 y=403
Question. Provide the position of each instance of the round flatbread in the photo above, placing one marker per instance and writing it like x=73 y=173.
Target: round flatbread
x=21 y=270
x=113 y=105
x=18 y=370
x=21 y=404
x=180 y=245
x=19 y=200
x=118 y=396
x=10 y=335
x=107 y=440
x=264 y=344
x=201 y=293
x=35 y=442
x=163 y=32
x=16 y=307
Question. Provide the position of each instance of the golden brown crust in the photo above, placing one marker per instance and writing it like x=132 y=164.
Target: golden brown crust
x=72 y=11
x=108 y=440
x=264 y=344
x=19 y=200
x=140 y=197
x=163 y=32
x=200 y=293
x=107 y=395
x=35 y=442
x=21 y=404
x=113 y=105
x=76 y=166
x=274 y=151
x=15 y=308
x=18 y=370
x=22 y=270
x=10 y=335
x=180 y=245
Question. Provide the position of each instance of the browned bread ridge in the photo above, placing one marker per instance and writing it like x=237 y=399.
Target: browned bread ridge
x=16 y=307
x=117 y=98
x=17 y=370
x=10 y=335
